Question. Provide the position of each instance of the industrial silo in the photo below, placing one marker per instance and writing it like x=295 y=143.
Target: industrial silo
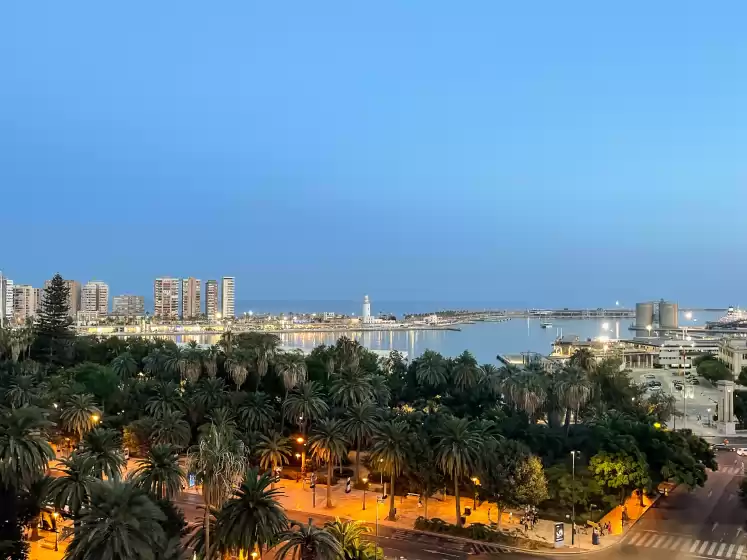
x=644 y=318
x=668 y=315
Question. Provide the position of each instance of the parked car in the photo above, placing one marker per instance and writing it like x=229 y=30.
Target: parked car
x=649 y=376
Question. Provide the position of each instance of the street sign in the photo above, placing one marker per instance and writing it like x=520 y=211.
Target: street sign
x=559 y=535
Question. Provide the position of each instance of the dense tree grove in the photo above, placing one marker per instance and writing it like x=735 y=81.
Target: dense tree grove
x=232 y=413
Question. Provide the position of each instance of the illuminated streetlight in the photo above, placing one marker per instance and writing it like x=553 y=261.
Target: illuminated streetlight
x=689 y=315
x=648 y=328
x=56 y=532
x=298 y=455
x=95 y=418
x=365 y=486
x=299 y=439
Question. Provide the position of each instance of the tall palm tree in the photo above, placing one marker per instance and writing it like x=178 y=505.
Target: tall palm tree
x=308 y=543
x=492 y=379
x=328 y=443
x=359 y=425
x=382 y=395
x=171 y=429
x=303 y=405
x=24 y=390
x=159 y=472
x=350 y=387
x=72 y=490
x=210 y=360
x=354 y=539
x=348 y=352
x=252 y=516
x=236 y=366
x=457 y=449
x=124 y=365
x=391 y=445
x=256 y=413
x=465 y=372
x=210 y=394
x=80 y=414
x=218 y=460
x=121 y=521
x=158 y=364
x=24 y=448
x=264 y=351
x=291 y=367
x=192 y=362
x=430 y=369
x=103 y=447
x=273 y=450
x=574 y=390
x=526 y=391
x=166 y=398
x=584 y=359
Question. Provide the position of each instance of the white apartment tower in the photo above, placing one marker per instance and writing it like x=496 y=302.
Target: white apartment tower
x=24 y=303
x=191 y=298
x=166 y=298
x=211 y=299
x=6 y=300
x=94 y=298
x=228 y=297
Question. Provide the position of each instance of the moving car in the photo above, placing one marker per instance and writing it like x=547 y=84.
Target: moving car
x=649 y=376
x=722 y=447
x=742 y=451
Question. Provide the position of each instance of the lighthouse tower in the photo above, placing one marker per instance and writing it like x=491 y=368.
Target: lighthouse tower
x=366 y=314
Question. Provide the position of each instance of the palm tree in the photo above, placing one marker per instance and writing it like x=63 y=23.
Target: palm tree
x=353 y=539
x=390 y=447
x=210 y=360
x=291 y=368
x=457 y=449
x=303 y=405
x=72 y=490
x=526 y=391
x=350 y=387
x=192 y=362
x=308 y=543
x=23 y=390
x=252 y=516
x=103 y=447
x=430 y=369
x=80 y=414
x=159 y=472
x=124 y=365
x=210 y=393
x=236 y=366
x=171 y=429
x=583 y=358
x=256 y=413
x=359 y=424
x=348 y=352
x=167 y=398
x=574 y=390
x=492 y=379
x=157 y=364
x=264 y=351
x=380 y=390
x=464 y=372
x=328 y=443
x=273 y=450
x=24 y=448
x=121 y=521
x=218 y=460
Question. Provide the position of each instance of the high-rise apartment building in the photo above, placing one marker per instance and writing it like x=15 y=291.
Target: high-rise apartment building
x=166 y=298
x=190 y=298
x=73 y=297
x=38 y=296
x=6 y=300
x=211 y=299
x=129 y=306
x=228 y=297
x=94 y=298
x=24 y=303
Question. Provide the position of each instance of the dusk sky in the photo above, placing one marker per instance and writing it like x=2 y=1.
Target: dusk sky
x=553 y=153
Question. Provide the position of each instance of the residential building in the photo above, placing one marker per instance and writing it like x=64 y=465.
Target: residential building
x=228 y=297
x=733 y=352
x=128 y=306
x=6 y=300
x=39 y=298
x=191 y=298
x=166 y=298
x=211 y=299
x=24 y=303
x=94 y=298
x=73 y=297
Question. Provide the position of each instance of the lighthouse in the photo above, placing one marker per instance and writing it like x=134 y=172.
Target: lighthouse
x=366 y=314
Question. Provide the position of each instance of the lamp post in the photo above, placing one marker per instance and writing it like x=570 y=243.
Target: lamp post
x=55 y=515
x=302 y=442
x=365 y=485
x=573 y=497
x=476 y=482
x=379 y=500
x=381 y=471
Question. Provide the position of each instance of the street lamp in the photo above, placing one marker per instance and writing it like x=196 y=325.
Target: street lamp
x=95 y=418
x=573 y=496
x=376 y=541
x=56 y=530
x=381 y=471
x=365 y=485
x=476 y=482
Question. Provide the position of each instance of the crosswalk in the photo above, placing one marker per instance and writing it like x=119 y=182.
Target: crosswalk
x=688 y=545
x=432 y=540
x=736 y=471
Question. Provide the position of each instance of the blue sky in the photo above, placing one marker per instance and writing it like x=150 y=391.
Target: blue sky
x=557 y=153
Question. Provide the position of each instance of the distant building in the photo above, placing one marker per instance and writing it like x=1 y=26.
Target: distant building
x=128 y=306
x=6 y=300
x=39 y=297
x=73 y=298
x=24 y=303
x=228 y=297
x=190 y=298
x=211 y=299
x=733 y=352
x=366 y=312
x=166 y=298
x=94 y=298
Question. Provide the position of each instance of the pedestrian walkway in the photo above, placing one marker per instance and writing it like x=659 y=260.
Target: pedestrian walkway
x=735 y=471
x=685 y=544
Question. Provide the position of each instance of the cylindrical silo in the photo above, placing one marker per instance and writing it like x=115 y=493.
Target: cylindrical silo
x=644 y=317
x=668 y=315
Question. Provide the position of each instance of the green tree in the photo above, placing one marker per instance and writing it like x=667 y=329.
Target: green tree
x=328 y=443
x=80 y=414
x=465 y=372
x=171 y=429
x=124 y=365
x=121 y=521
x=308 y=543
x=431 y=369
x=166 y=398
x=252 y=517
x=159 y=472
x=72 y=490
x=359 y=424
x=255 y=412
x=54 y=334
x=273 y=451
x=350 y=387
x=353 y=537
x=305 y=404
x=104 y=448
x=218 y=460
x=391 y=445
x=526 y=391
x=619 y=471
x=574 y=391
x=457 y=448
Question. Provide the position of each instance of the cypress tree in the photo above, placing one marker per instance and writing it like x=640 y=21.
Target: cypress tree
x=54 y=335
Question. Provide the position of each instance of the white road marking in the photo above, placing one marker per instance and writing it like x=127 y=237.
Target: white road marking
x=442 y=553
x=686 y=545
x=694 y=546
x=713 y=547
x=647 y=539
x=738 y=555
x=635 y=538
x=676 y=544
x=701 y=550
x=728 y=552
x=667 y=542
x=659 y=539
x=721 y=549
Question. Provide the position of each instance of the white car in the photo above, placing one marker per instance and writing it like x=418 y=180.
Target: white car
x=649 y=376
x=742 y=451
